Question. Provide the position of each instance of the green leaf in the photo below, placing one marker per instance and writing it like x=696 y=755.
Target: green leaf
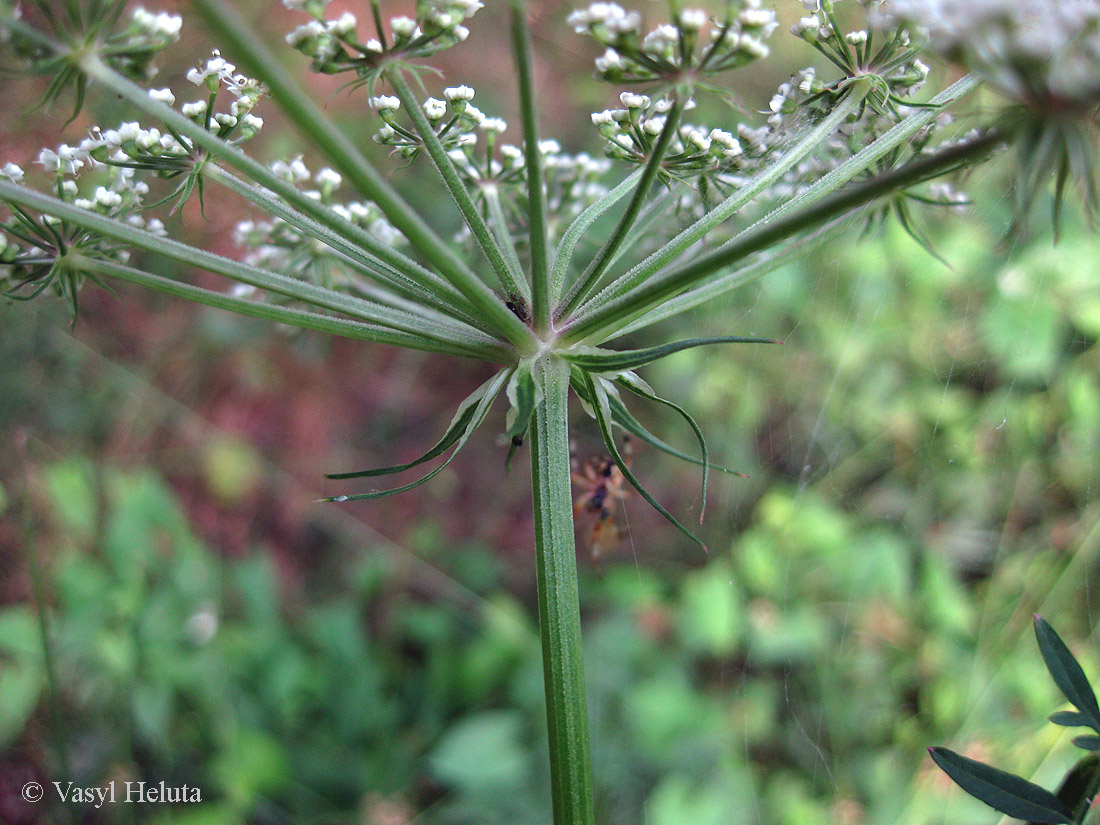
x=492 y=388
x=1069 y=718
x=523 y=396
x=601 y=409
x=581 y=224
x=639 y=387
x=621 y=415
x=462 y=417
x=1067 y=673
x=1088 y=743
x=1002 y=791
x=595 y=359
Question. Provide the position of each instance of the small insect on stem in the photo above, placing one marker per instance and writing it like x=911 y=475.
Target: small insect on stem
x=603 y=486
x=519 y=307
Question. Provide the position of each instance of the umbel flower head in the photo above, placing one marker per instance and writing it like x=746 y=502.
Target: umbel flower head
x=1042 y=52
x=1045 y=56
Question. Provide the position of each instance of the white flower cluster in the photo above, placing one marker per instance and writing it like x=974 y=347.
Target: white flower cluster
x=694 y=151
x=888 y=56
x=160 y=27
x=131 y=50
x=678 y=48
x=573 y=182
x=334 y=44
x=276 y=245
x=30 y=249
x=1043 y=52
x=455 y=120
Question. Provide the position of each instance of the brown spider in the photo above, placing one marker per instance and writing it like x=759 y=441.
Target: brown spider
x=603 y=487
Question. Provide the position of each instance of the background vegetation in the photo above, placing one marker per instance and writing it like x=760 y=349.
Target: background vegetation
x=923 y=461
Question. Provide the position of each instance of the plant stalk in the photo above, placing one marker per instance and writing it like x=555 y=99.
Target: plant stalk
x=536 y=178
x=559 y=604
x=602 y=321
x=310 y=119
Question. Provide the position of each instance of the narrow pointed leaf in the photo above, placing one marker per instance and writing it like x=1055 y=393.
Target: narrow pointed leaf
x=1089 y=742
x=625 y=419
x=461 y=421
x=1002 y=791
x=601 y=407
x=581 y=224
x=480 y=410
x=639 y=387
x=523 y=396
x=595 y=359
x=1069 y=718
x=622 y=416
x=1066 y=672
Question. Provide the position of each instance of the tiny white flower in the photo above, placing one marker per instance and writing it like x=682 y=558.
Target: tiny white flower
x=384 y=103
x=343 y=25
x=328 y=178
x=306 y=32
x=493 y=124
x=807 y=27
x=403 y=27
x=194 y=109
x=12 y=172
x=250 y=124
x=435 y=108
x=106 y=198
x=459 y=93
x=610 y=61
x=692 y=20
x=163 y=96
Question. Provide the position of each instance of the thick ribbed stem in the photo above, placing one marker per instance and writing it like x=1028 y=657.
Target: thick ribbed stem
x=559 y=605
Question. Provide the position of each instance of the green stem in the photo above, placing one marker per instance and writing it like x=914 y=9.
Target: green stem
x=559 y=603
x=731 y=205
x=536 y=194
x=301 y=319
x=580 y=225
x=486 y=299
x=710 y=289
x=414 y=323
x=867 y=158
x=247 y=49
x=596 y=325
x=516 y=285
x=488 y=305
x=587 y=282
x=351 y=253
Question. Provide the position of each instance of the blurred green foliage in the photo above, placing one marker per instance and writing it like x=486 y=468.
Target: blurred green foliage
x=924 y=463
